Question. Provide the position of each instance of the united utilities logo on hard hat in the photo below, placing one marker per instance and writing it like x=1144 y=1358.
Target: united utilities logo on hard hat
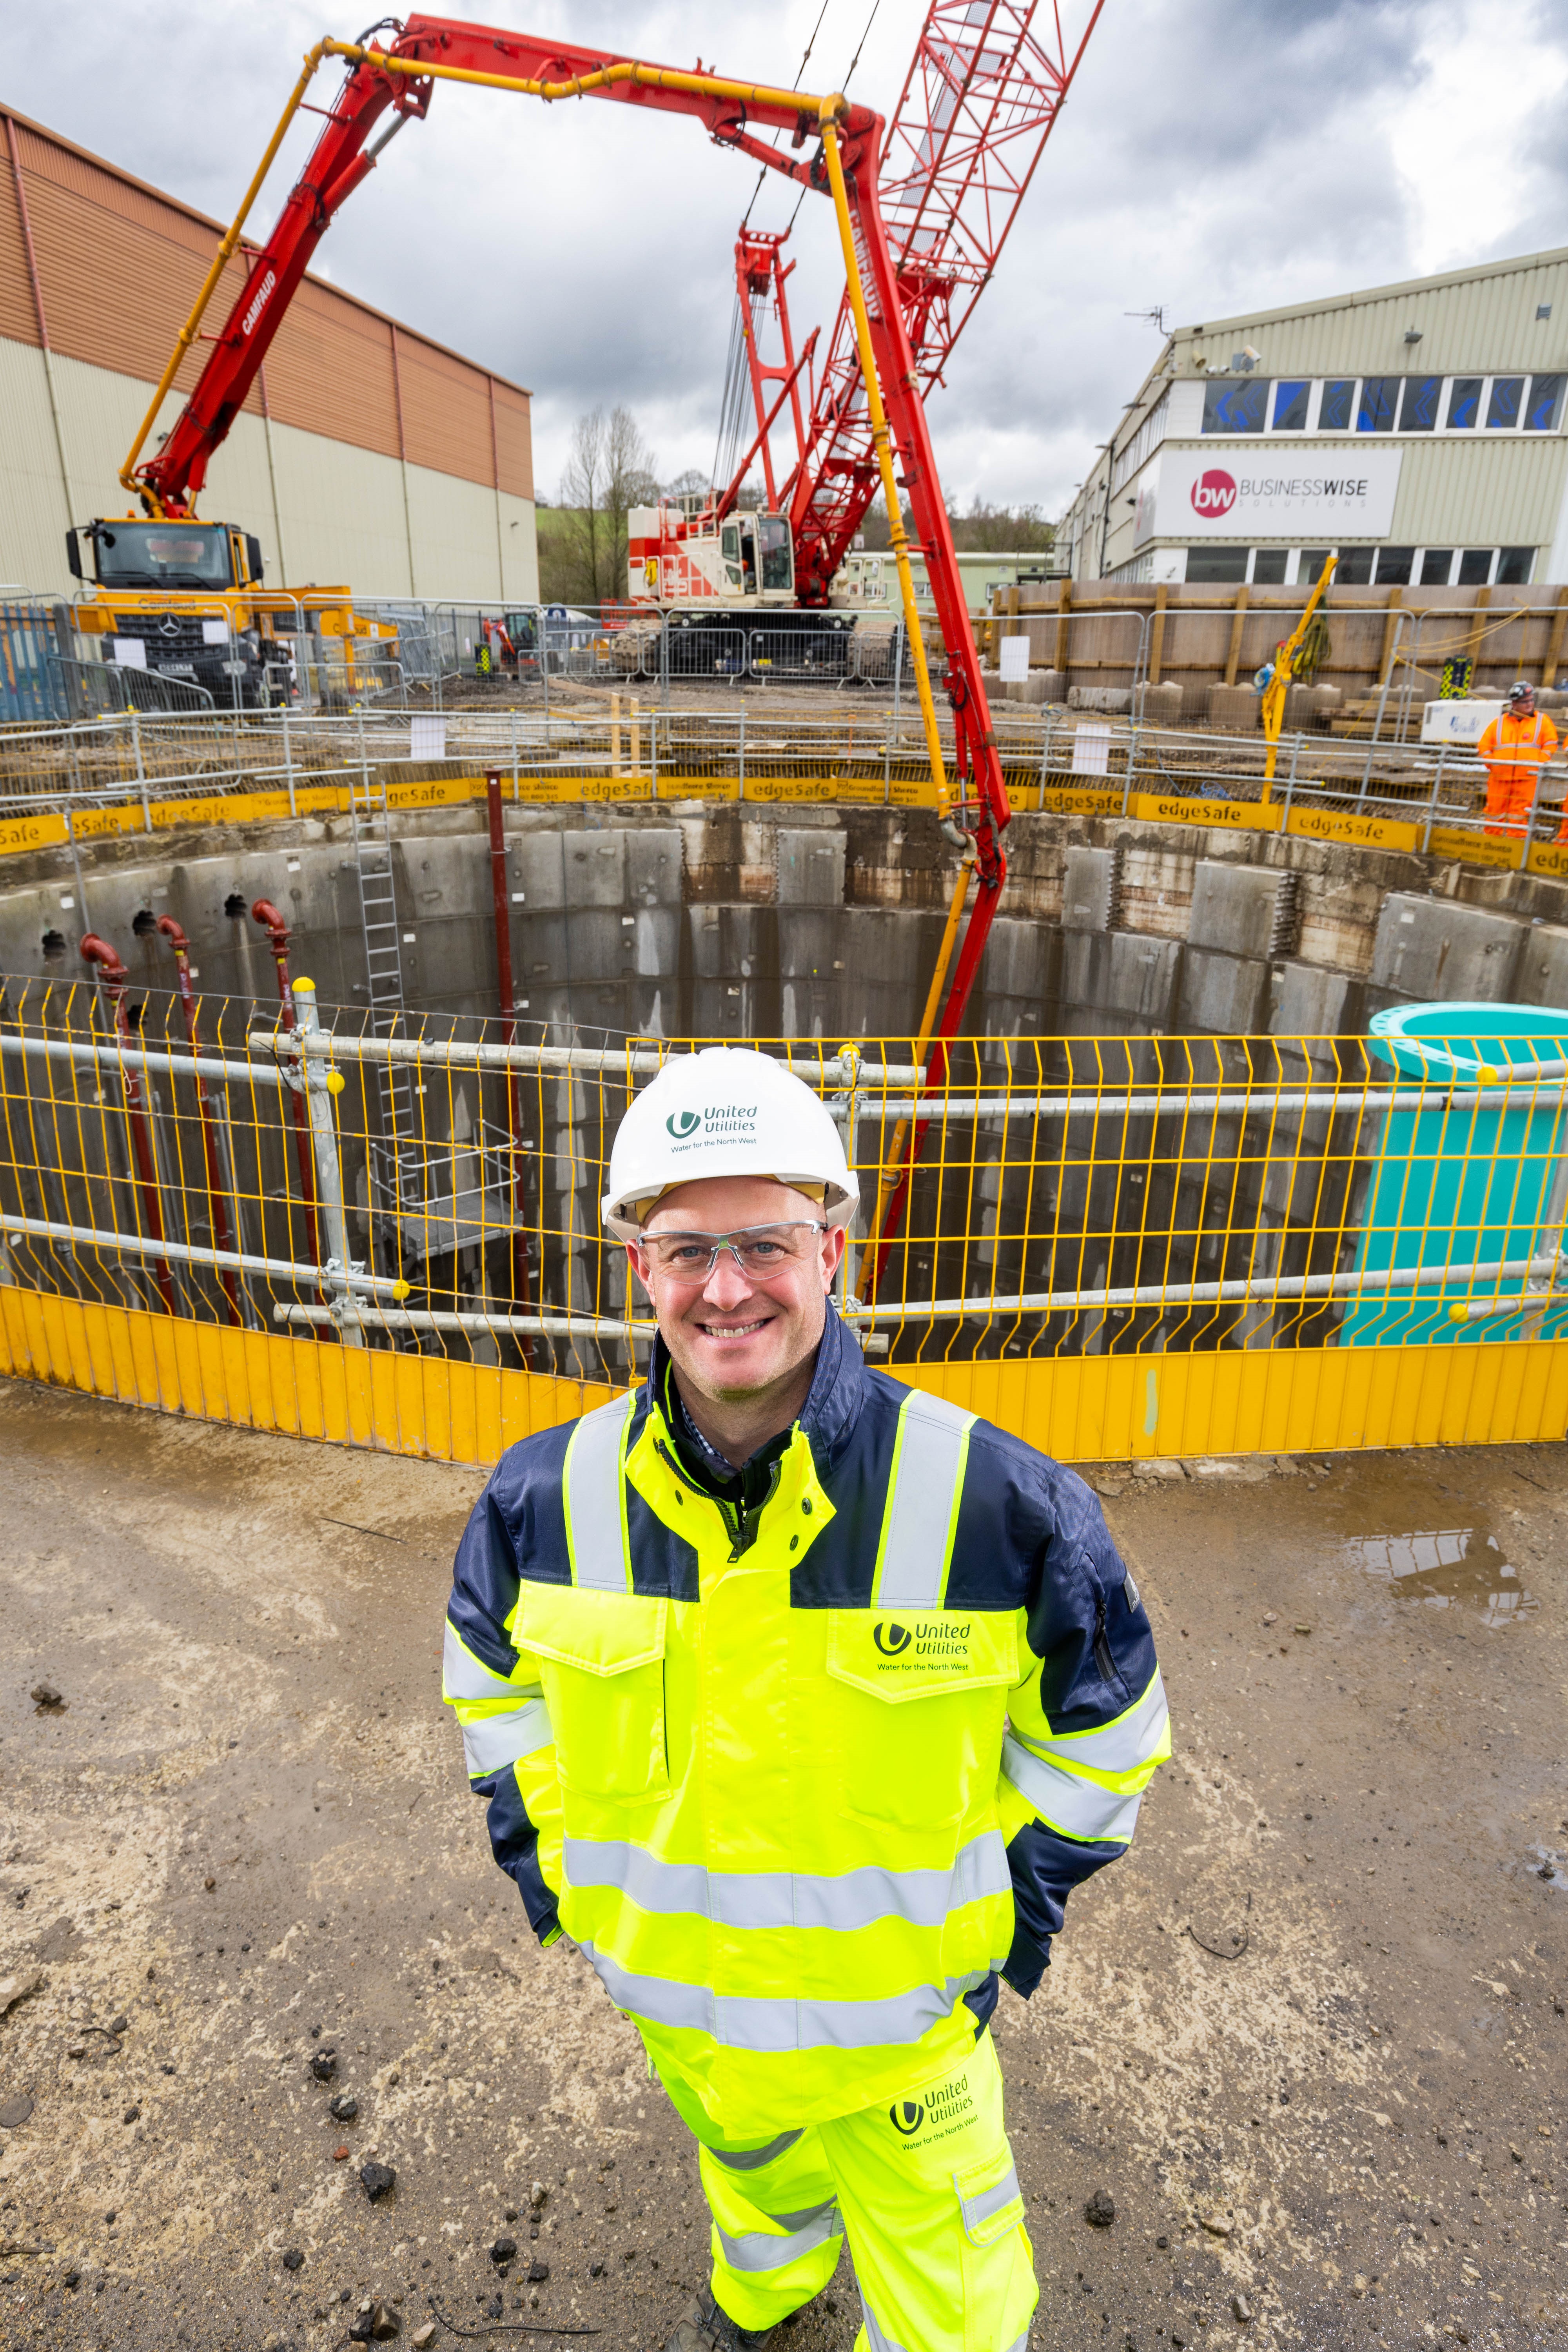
x=719 y=1123
x=1214 y=492
x=907 y=2116
x=890 y=1639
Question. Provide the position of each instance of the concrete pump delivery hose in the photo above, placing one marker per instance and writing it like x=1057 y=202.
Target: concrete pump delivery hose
x=882 y=441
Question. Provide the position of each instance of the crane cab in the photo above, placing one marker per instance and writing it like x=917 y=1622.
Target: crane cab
x=744 y=559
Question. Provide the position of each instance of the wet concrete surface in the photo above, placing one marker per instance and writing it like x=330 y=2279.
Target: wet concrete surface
x=1309 y=2037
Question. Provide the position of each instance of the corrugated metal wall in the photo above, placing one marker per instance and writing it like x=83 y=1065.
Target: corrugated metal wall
x=119 y=266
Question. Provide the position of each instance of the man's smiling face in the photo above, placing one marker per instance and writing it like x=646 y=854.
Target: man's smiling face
x=736 y=1336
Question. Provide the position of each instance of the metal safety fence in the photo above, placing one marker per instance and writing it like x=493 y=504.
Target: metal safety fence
x=620 y=746
x=1113 y=1246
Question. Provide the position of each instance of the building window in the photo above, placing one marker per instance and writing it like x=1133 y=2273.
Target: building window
x=1338 y=398
x=1502 y=408
x=1475 y=567
x=1309 y=570
x=1437 y=562
x=1545 y=407
x=1514 y=565
x=1217 y=562
x=1238 y=407
x=1418 y=403
x=1463 y=404
x=1394 y=566
x=1379 y=398
x=1354 y=568
x=1269 y=566
x=1291 y=407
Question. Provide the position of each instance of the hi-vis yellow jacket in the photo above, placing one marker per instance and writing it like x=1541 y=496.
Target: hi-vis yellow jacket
x=800 y=1781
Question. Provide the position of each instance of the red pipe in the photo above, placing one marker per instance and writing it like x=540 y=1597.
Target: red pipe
x=500 y=898
x=98 y=952
x=264 y=912
x=217 y=1191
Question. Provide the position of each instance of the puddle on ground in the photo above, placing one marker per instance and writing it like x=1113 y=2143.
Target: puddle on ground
x=1448 y=1567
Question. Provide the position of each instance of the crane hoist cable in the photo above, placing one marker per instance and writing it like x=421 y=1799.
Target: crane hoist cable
x=805 y=61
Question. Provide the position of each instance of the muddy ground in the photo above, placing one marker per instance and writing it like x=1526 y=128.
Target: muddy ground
x=1310 y=2036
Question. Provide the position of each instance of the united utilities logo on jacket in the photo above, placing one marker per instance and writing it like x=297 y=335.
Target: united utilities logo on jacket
x=922 y=1645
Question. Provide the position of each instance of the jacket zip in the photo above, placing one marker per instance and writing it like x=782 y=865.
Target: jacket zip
x=742 y=1525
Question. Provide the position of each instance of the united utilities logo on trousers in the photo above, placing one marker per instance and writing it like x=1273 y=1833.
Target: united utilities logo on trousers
x=907 y=2116
x=890 y=1639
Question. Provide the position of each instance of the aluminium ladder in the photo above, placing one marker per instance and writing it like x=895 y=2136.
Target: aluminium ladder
x=395 y=1159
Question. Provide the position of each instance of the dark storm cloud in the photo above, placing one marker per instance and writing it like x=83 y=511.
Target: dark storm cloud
x=1217 y=156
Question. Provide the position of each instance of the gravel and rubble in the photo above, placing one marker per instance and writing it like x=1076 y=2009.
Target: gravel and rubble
x=280 y=2065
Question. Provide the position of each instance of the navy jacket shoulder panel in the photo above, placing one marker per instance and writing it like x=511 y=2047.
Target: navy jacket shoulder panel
x=840 y=1568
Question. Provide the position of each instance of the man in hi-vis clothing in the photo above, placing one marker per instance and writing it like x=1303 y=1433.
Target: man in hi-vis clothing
x=1516 y=747
x=801 y=1699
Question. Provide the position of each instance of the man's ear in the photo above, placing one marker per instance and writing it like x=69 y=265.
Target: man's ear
x=637 y=1262
x=833 y=1244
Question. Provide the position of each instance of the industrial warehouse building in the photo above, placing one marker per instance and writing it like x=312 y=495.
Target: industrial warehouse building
x=365 y=455
x=1416 y=429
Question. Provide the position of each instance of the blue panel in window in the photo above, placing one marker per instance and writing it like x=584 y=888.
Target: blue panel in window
x=1235 y=406
x=1504 y=407
x=1339 y=394
x=1543 y=409
x=1379 y=398
x=1418 y=404
x=1465 y=404
x=1291 y=407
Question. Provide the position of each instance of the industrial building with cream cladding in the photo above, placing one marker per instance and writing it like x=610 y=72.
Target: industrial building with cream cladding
x=1418 y=430
x=365 y=453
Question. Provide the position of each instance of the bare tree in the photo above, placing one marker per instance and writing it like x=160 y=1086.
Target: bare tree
x=609 y=470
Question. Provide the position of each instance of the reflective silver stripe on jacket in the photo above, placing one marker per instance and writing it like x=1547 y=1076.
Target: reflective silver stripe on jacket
x=783 y=1898
x=986 y=2203
x=738 y=2022
x=916 y=1526
x=752 y=2160
x=876 y=2339
x=760 y=2251
x=1119 y=1747
x=595 y=1523
x=465 y=1676
x=1079 y=1809
x=493 y=1741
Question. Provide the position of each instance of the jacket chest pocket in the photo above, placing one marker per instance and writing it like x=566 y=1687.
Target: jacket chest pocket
x=919 y=1711
x=601 y=1661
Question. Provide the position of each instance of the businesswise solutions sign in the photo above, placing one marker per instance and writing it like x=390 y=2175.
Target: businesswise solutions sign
x=1266 y=492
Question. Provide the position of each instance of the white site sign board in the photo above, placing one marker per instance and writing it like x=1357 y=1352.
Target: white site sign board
x=1242 y=492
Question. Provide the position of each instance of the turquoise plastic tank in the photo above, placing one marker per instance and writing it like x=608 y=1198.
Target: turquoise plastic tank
x=1468 y=1184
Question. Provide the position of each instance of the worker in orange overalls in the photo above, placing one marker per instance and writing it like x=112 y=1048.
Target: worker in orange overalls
x=1515 y=746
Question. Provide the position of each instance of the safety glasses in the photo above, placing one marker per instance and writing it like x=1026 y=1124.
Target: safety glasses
x=757 y=1250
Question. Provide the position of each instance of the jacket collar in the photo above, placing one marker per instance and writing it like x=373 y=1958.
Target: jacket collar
x=833 y=1404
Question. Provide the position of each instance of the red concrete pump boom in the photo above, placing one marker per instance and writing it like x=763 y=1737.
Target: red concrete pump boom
x=832 y=146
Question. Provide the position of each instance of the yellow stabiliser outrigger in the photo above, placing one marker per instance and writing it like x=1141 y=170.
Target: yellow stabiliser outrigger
x=1284 y=671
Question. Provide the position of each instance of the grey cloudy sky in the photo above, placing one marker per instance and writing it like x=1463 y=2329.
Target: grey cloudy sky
x=1215 y=156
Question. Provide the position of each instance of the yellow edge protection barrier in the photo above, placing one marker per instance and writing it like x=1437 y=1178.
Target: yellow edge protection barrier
x=1082 y=1409
x=48 y=829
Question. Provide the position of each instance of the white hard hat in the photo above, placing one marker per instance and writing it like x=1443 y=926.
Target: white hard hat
x=725 y=1112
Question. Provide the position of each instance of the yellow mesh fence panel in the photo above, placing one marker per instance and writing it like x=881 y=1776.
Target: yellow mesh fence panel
x=1111 y=1246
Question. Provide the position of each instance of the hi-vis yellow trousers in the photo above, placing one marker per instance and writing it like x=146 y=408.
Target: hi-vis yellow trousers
x=924 y=2190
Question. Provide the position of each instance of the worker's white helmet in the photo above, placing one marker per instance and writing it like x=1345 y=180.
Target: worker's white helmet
x=725 y=1112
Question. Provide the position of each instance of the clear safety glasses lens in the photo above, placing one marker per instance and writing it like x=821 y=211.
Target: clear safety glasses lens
x=758 y=1251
